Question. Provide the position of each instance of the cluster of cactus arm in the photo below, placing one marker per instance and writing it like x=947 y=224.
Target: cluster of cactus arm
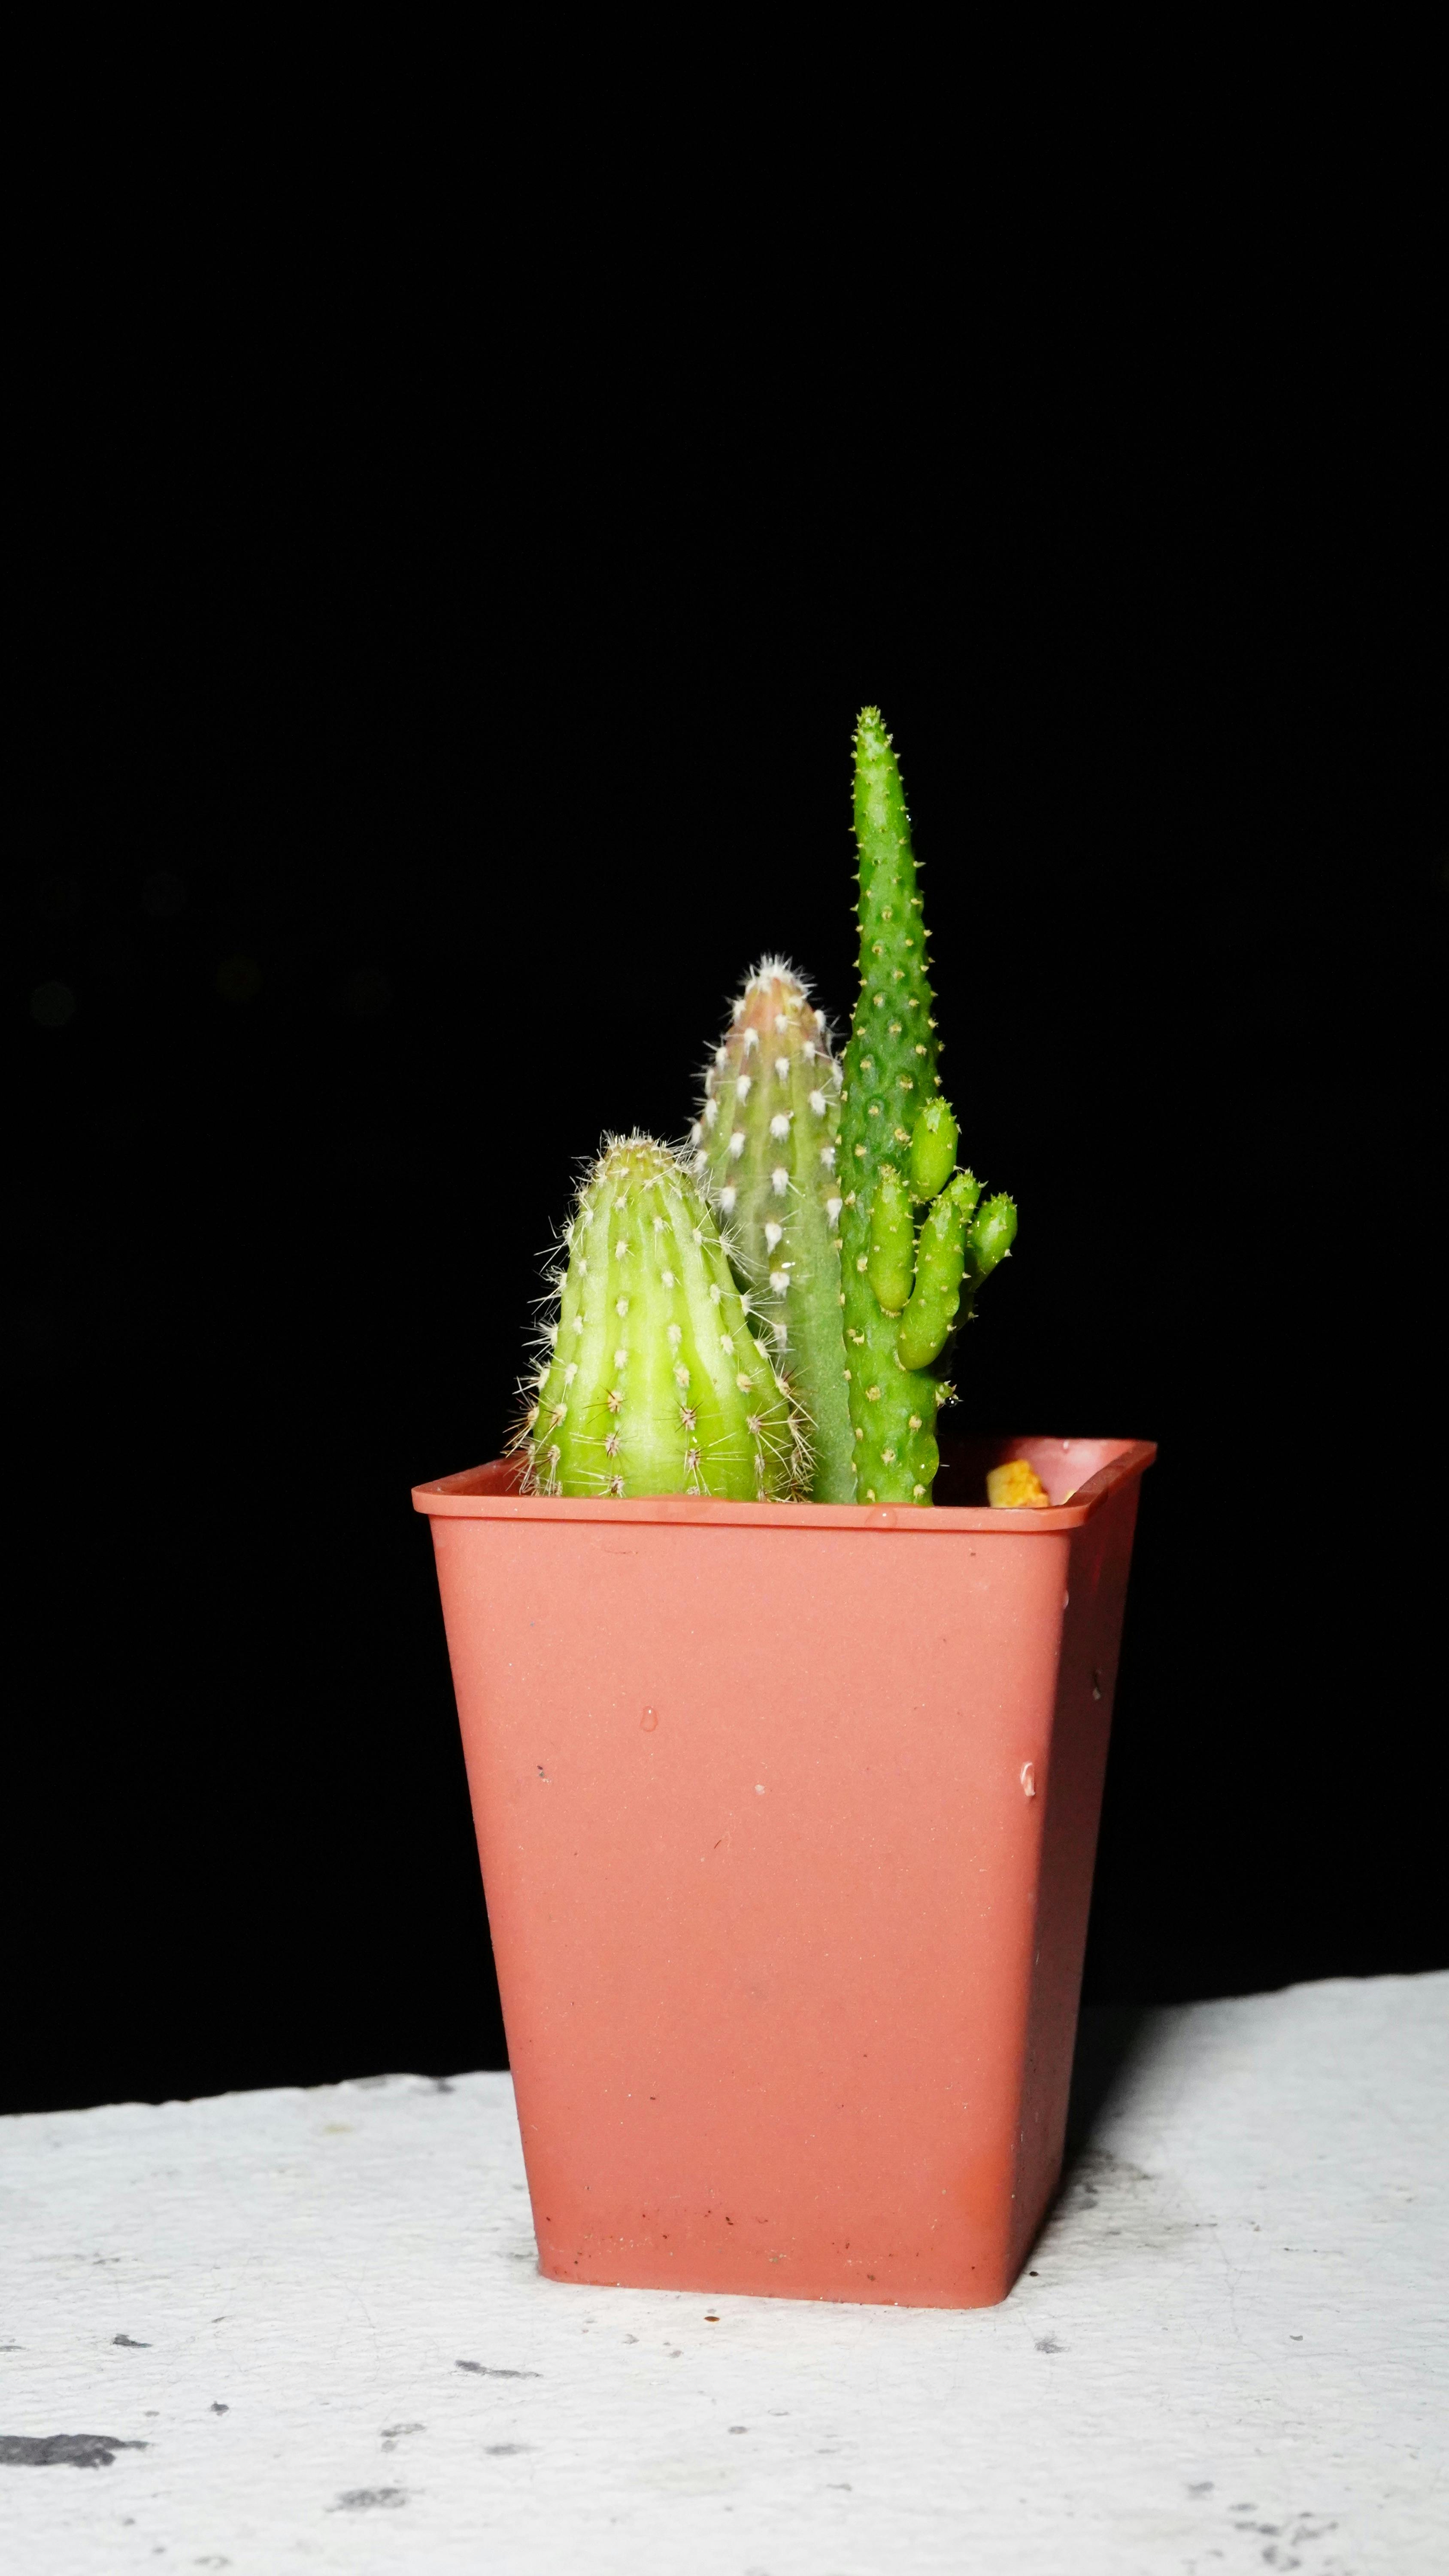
x=763 y=1315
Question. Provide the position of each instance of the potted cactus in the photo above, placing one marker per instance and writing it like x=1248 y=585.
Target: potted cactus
x=785 y=1739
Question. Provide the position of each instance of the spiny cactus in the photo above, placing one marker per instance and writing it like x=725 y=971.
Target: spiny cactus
x=652 y=1381
x=903 y=1294
x=766 y=1142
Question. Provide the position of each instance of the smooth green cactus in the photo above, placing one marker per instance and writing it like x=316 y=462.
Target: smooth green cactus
x=903 y=1294
x=765 y=1144
x=653 y=1382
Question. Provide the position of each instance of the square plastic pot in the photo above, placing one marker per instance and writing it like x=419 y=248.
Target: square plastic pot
x=787 y=1817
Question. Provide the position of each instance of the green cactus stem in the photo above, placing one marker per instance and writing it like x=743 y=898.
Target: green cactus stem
x=652 y=1380
x=904 y=1293
x=890 y=1076
x=765 y=1145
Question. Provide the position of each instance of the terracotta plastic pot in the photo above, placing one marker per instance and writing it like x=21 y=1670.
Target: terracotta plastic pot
x=787 y=1816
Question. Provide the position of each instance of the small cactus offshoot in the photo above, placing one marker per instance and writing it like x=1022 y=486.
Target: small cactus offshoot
x=765 y=1144
x=651 y=1380
x=905 y=1290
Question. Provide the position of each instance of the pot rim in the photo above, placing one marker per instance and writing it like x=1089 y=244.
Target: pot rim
x=487 y=1493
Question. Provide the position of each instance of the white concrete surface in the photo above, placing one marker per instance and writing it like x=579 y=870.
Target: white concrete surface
x=311 y=2327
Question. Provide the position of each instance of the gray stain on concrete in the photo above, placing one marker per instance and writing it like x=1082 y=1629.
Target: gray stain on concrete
x=130 y=2343
x=486 y=2370
x=363 y=2499
x=62 y=2450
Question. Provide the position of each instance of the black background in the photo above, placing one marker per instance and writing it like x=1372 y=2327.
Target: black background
x=436 y=687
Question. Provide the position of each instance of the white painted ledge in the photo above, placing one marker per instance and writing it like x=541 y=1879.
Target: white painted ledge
x=319 y=2313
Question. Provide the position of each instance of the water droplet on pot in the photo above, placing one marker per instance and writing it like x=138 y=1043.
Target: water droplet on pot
x=649 y=1721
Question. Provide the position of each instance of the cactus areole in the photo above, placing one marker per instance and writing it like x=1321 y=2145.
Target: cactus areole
x=652 y=1381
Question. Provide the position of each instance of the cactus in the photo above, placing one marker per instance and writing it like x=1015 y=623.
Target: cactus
x=903 y=1293
x=765 y=1142
x=651 y=1380
x=861 y=1248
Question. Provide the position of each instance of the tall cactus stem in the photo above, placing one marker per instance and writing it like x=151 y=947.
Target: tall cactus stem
x=765 y=1146
x=890 y=1075
x=934 y=1139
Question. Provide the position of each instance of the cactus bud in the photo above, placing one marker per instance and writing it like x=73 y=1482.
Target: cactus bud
x=991 y=1236
x=933 y=1149
x=890 y=1263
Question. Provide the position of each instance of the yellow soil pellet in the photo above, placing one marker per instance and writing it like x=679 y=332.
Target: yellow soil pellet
x=1016 y=1487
